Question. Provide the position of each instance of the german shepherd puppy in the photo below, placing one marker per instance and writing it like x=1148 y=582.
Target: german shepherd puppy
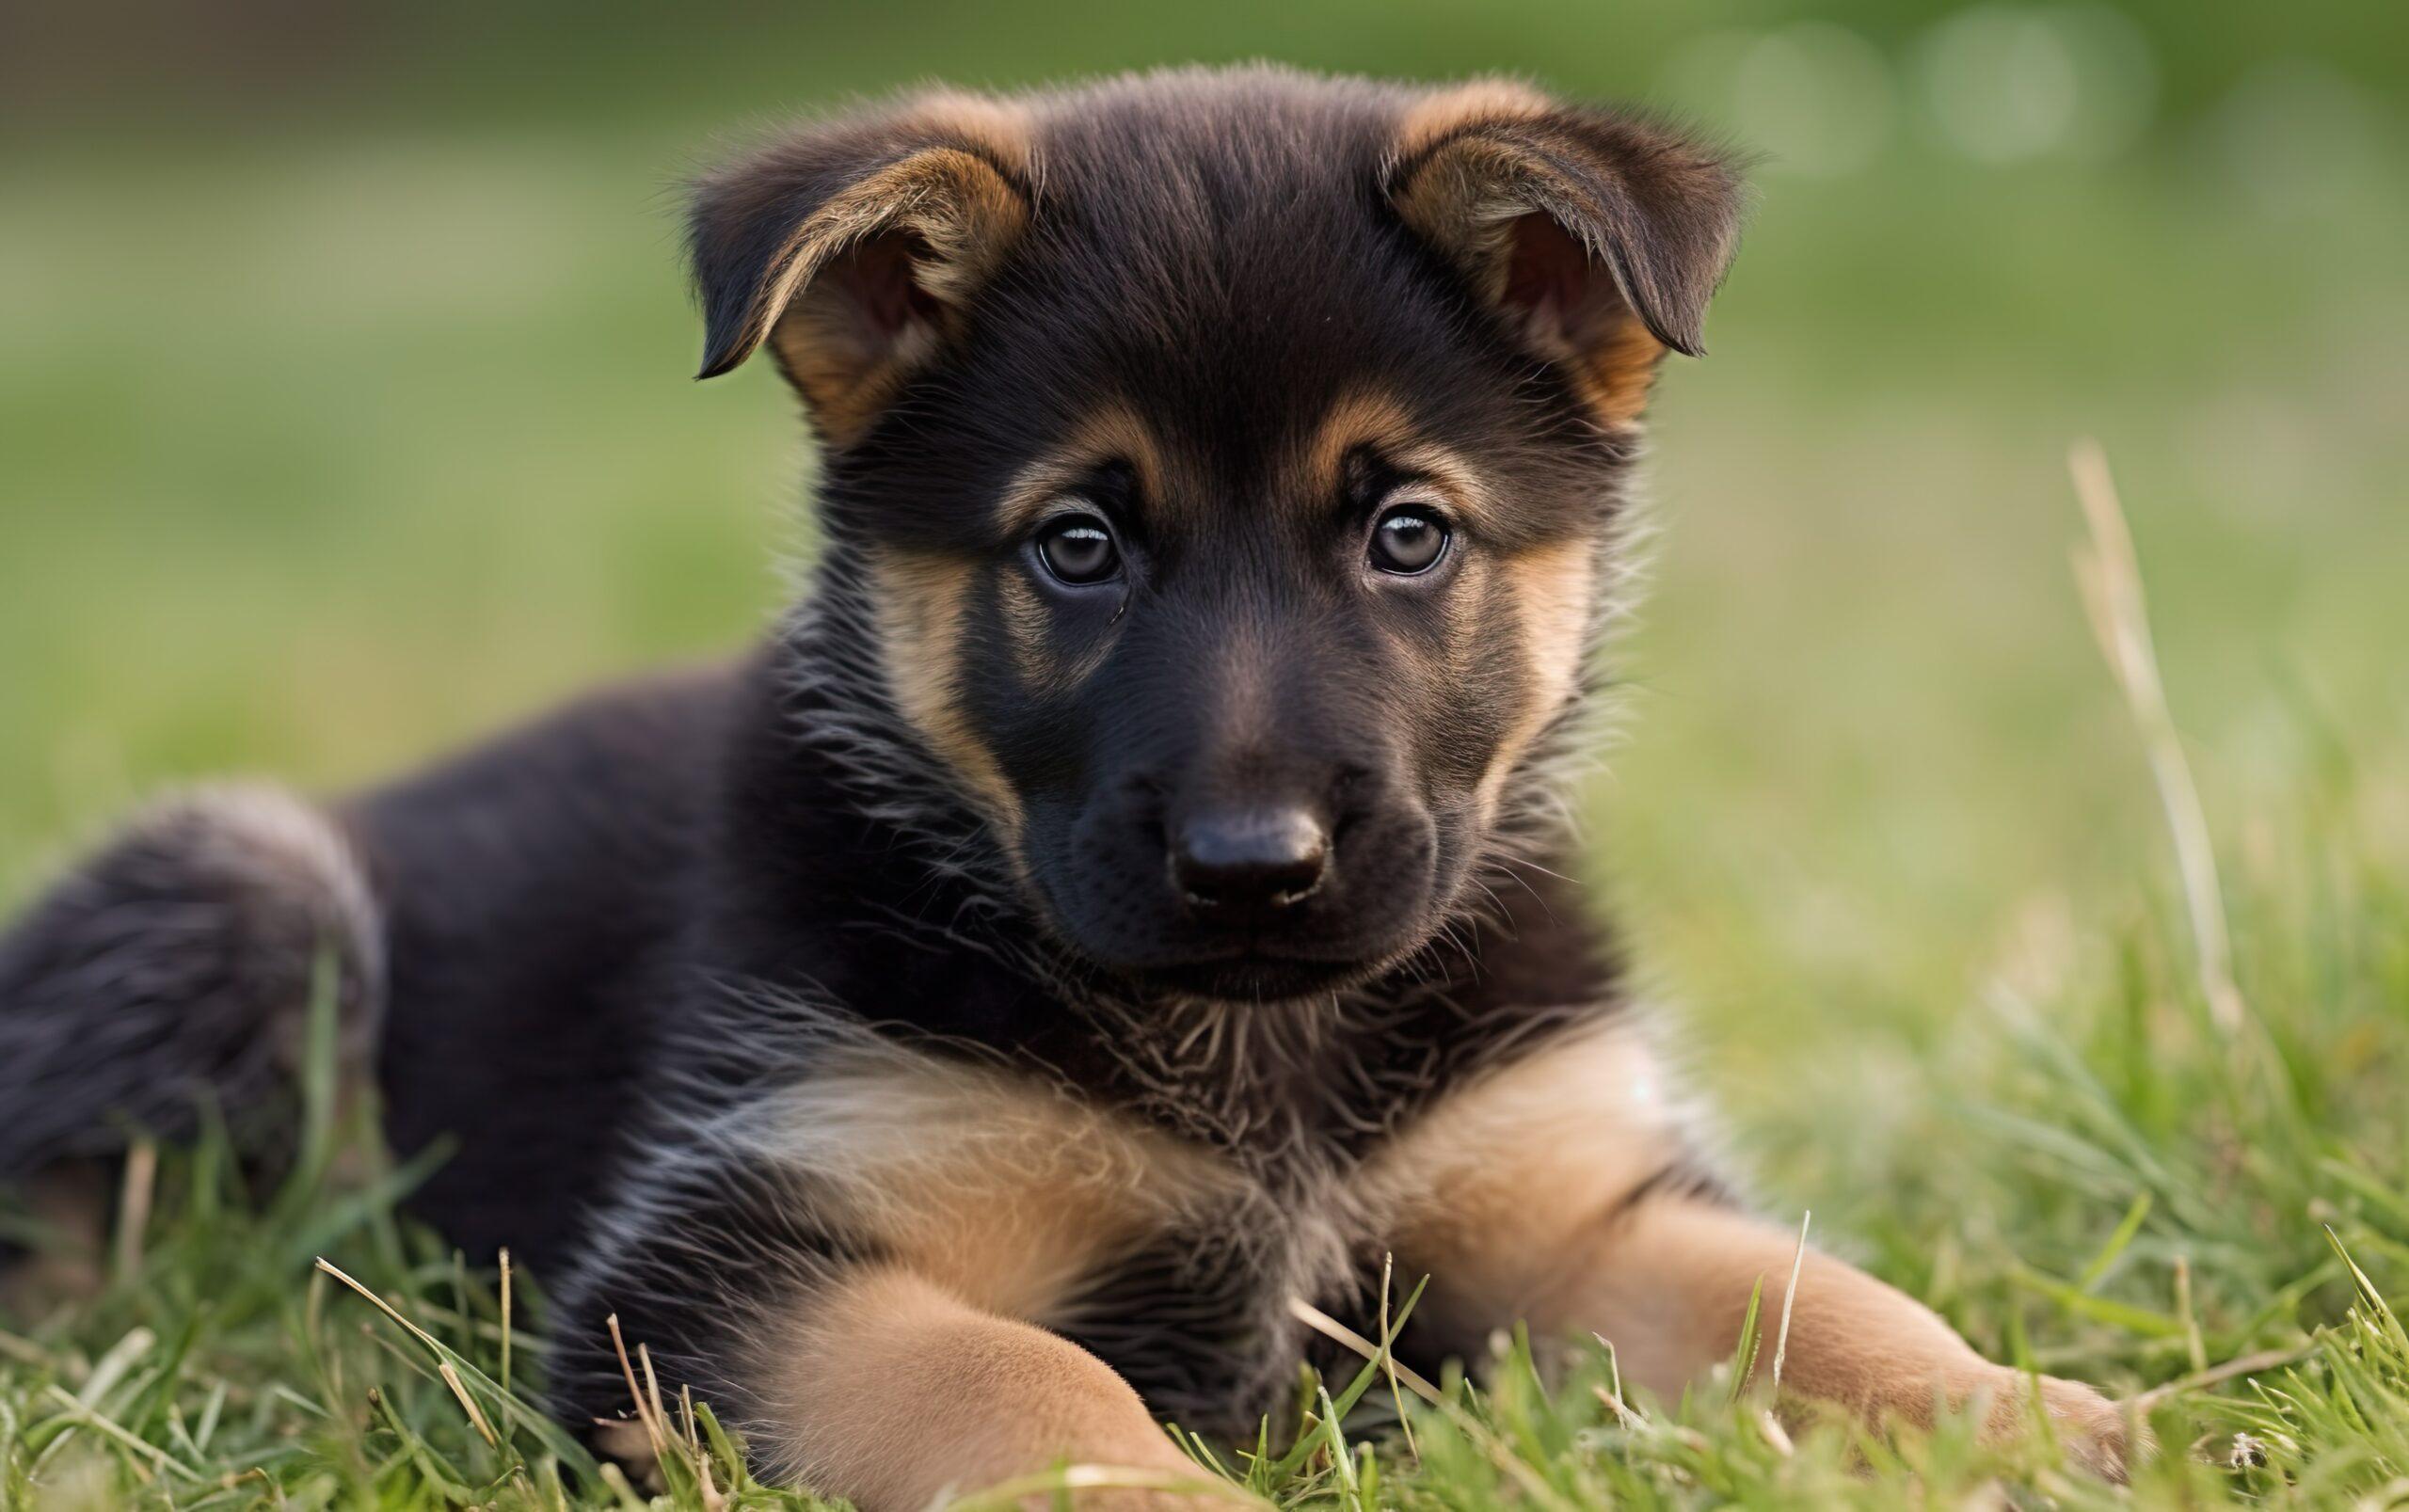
x=1128 y=893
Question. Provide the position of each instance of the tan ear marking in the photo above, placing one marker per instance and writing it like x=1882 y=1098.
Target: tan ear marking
x=957 y=200
x=1444 y=113
x=1599 y=237
x=1001 y=130
x=1616 y=377
x=854 y=246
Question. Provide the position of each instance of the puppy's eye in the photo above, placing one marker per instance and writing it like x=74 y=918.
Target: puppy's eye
x=1409 y=540
x=1079 y=549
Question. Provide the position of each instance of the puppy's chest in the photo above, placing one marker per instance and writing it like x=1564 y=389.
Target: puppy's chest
x=1172 y=1259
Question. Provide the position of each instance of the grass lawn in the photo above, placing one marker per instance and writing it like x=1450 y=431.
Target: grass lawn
x=391 y=440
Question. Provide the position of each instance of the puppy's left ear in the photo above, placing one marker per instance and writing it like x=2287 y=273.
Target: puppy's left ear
x=855 y=248
x=1597 y=237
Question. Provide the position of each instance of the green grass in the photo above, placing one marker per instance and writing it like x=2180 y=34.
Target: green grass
x=344 y=424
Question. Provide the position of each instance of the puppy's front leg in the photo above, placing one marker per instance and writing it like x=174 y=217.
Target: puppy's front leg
x=1667 y=1281
x=892 y=1392
x=1557 y=1190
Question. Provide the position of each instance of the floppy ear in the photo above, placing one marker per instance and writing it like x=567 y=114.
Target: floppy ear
x=854 y=249
x=1597 y=238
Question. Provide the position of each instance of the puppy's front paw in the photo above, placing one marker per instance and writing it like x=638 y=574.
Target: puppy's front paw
x=2091 y=1428
x=1192 y=1489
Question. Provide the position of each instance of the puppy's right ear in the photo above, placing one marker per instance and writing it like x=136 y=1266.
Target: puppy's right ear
x=854 y=249
x=1596 y=237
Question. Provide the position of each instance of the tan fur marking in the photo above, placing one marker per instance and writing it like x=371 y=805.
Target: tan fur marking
x=893 y=1392
x=1111 y=431
x=1444 y=112
x=1554 y=589
x=1027 y=618
x=1466 y=196
x=920 y=599
x=1554 y=586
x=962 y=212
x=1669 y=1288
x=1379 y=420
x=1617 y=375
x=1495 y=1186
x=1516 y=1196
x=1003 y=1191
x=1000 y=127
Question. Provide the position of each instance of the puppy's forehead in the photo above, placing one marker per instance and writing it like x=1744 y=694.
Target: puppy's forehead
x=1228 y=159
x=1217 y=252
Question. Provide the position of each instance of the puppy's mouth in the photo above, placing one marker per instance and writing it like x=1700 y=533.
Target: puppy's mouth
x=1264 y=968
x=1256 y=977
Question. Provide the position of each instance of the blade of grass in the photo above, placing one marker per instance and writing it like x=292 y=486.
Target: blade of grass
x=1789 y=1301
x=2113 y=1249
x=2110 y=576
x=516 y=1413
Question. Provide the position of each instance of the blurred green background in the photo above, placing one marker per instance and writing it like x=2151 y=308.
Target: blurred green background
x=345 y=413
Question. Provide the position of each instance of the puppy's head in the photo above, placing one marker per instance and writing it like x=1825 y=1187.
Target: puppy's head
x=1233 y=458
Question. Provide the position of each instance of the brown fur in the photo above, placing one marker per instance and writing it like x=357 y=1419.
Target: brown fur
x=1529 y=1195
x=1553 y=588
x=946 y=214
x=1002 y=1192
x=941 y=1397
x=1492 y=1188
x=1369 y=419
x=1668 y=1285
x=1110 y=431
x=1444 y=113
x=921 y=606
x=1617 y=372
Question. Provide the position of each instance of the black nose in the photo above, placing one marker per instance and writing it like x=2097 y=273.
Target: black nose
x=1248 y=860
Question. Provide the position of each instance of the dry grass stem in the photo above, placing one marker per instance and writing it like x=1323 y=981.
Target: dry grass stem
x=2109 y=575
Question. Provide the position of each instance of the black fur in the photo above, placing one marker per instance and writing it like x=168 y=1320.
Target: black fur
x=642 y=917
x=169 y=976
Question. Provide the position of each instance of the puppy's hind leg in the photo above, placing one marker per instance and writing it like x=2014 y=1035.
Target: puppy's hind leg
x=175 y=968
